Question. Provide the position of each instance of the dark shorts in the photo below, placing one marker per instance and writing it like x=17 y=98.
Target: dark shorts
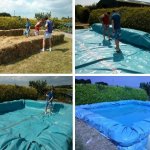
x=117 y=34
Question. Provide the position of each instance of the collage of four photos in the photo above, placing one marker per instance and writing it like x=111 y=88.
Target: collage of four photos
x=75 y=75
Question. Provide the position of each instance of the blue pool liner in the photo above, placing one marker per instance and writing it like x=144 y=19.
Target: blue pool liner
x=125 y=137
x=24 y=125
x=134 y=37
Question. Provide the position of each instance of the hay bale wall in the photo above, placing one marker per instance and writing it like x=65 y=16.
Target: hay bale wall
x=26 y=48
x=18 y=32
x=14 y=32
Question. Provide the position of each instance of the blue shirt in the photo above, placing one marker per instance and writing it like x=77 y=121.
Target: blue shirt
x=116 y=18
x=50 y=95
x=49 y=26
x=28 y=24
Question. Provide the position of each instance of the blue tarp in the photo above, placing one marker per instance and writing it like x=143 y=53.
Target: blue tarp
x=126 y=137
x=131 y=36
x=95 y=55
x=23 y=125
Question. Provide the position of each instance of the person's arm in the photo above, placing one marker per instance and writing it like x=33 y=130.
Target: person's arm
x=46 y=26
x=112 y=22
x=29 y=26
x=38 y=23
x=101 y=19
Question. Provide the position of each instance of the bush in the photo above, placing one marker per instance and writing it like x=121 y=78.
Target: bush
x=7 y=23
x=82 y=13
x=87 y=94
x=14 y=92
x=135 y=18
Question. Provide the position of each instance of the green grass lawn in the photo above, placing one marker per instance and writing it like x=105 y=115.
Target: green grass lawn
x=59 y=60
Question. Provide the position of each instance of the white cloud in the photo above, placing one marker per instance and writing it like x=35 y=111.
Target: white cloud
x=24 y=80
x=27 y=8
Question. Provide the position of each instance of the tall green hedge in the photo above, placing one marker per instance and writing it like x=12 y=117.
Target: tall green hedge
x=14 y=92
x=131 y=17
x=7 y=23
x=86 y=94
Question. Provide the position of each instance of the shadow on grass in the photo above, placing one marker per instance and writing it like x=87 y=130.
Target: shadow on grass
x=61 y=49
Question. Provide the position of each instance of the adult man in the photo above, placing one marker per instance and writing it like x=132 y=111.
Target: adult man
x=48 y=33
x=116 y=27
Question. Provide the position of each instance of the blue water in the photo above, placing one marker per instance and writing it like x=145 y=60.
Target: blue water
x=125 y=114
x=94 y=55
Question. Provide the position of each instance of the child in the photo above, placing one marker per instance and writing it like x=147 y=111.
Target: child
x=37 y=27
x=28 y=26
x=49 y=100
x=116 y=26
x=105 y=19
x=48 y=34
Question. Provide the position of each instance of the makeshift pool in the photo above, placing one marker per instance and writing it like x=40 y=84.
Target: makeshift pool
x=95 y=55
x=126 y=123
x=23 y=125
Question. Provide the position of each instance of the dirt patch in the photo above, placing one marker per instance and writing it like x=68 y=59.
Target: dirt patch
x=88 y=138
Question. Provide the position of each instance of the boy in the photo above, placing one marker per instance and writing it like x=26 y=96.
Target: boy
x=28 y=26
x=49 y=100
x=116 y=27
x=37 y=27
x=48 y=33
x=105 y=19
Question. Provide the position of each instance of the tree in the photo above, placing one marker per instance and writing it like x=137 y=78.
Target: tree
x=106 y=3
x=102 y=83
x=82 y=81
x=41 y=15
x=4 y=14
x=146 y=87
x=82 y=13
x=39 y=85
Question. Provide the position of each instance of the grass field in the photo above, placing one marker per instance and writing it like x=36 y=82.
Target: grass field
x=89 y=93
x=59 y=60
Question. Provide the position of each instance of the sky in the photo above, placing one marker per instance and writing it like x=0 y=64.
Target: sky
x=90 y=2
x=28 y=8
x=130 y=81
x=24 y=80
x=86 y=2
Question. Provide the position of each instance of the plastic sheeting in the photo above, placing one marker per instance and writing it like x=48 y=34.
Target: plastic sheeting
x=131 y=36
x=95 y=55
x=24 y=126
x=133 y=137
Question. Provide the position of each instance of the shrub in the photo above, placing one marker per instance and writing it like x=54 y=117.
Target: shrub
x=86 y=94
x=14 y=92
x=7 y=23
x=82 y=13
x=135 y=18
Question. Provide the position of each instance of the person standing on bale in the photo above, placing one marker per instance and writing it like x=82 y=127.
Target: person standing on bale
x=116 y=27
x=37 y=26
x=48 y=33
x=28 y=26
x=105 y=19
